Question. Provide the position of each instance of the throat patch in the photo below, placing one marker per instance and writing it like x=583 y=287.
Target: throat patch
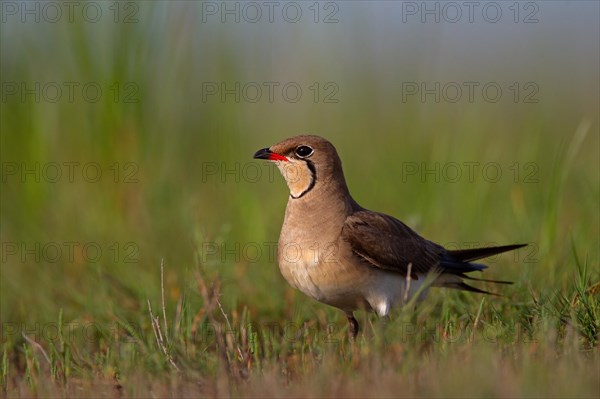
x=313 y=179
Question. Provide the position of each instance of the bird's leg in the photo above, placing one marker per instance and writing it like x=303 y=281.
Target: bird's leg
x=353 y=325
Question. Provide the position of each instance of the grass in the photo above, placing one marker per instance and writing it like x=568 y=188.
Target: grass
x=217 y=319
x=463 y=346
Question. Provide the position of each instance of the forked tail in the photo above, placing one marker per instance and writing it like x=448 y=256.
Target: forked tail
x=456 y=263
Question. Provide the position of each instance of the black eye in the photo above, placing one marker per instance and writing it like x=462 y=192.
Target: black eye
x=304 y=151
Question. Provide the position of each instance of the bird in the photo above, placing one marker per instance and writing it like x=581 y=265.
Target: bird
x=341 y=254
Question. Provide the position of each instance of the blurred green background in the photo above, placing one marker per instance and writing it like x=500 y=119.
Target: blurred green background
x=178 y=181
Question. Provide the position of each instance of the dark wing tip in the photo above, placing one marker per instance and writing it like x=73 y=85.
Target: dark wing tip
x=471 y=254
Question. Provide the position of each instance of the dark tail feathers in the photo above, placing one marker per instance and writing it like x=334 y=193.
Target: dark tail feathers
x=465 y=256
x=467 y=287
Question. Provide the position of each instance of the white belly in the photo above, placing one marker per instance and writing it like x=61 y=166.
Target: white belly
x=349 y=288
x=388 y=290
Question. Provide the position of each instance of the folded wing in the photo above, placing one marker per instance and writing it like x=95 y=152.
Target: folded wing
x=386 y=243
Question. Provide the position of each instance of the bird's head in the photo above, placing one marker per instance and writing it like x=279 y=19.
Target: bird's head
x=306 y=162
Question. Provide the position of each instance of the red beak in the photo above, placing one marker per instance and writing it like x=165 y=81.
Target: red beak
x=265 y=153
